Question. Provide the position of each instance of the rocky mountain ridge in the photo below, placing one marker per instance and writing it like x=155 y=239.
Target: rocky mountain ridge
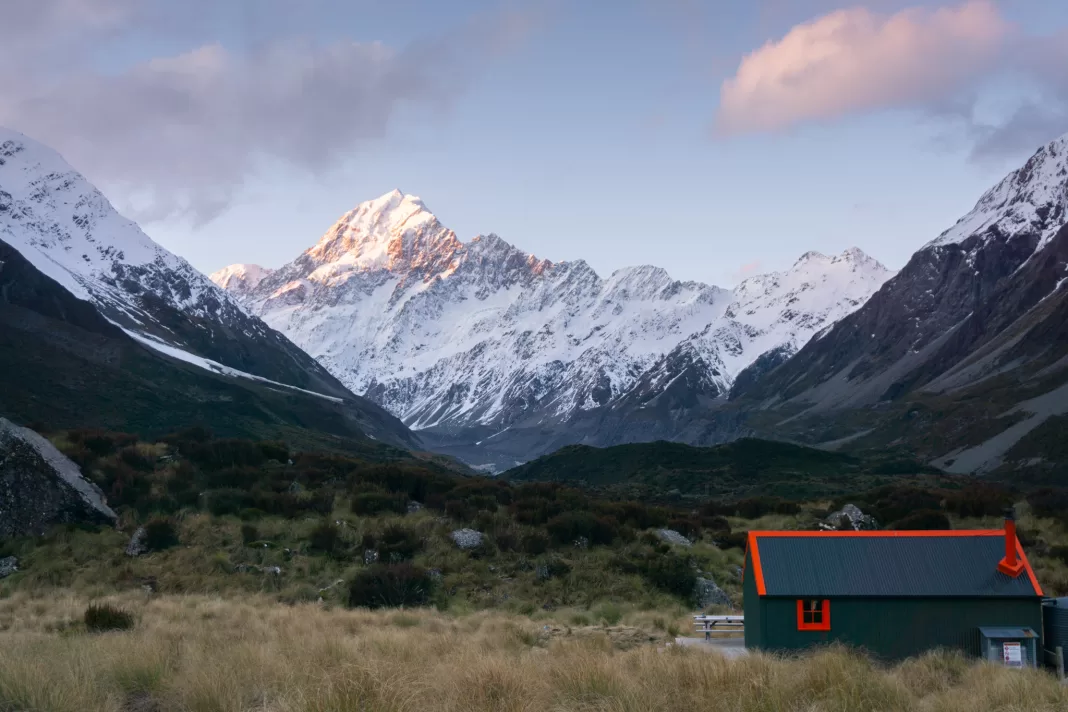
x=469 y=341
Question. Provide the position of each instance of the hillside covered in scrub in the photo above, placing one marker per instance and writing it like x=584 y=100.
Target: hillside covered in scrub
x=739 y=469
x=218 y=515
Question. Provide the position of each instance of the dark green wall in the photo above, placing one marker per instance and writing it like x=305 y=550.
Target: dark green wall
x=751 y=606
x=889 y=628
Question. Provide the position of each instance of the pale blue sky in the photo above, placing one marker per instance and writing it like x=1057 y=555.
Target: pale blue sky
x=572 y=130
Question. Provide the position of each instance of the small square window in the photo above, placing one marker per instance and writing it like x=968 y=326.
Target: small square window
x=813 y=614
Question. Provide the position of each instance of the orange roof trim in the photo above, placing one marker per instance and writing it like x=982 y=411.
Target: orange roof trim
x=888 y=533
x=753 y=546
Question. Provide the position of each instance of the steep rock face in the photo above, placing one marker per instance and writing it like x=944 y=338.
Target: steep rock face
x=40 y=487
x=474 y=339
x=971 y=319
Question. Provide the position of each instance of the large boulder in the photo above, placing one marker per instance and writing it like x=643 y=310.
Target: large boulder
x=673 y=537
x=467 y=538
x=40 y=487
x=708 y=594
x=849 y=517
x=8 y=566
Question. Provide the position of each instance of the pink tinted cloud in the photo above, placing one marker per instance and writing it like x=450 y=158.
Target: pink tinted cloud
x=855 y=60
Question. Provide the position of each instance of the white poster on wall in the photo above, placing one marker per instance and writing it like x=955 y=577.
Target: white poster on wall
x=1013 y=654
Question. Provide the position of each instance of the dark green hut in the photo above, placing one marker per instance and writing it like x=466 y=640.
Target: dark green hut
x=893 y=594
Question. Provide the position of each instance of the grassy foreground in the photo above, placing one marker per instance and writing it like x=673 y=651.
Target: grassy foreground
x=195 y=653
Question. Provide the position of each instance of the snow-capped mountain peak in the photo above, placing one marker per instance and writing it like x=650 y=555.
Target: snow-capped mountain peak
x=69 y=230
x=394 y=232
x=1031 y=200
x=483 y=335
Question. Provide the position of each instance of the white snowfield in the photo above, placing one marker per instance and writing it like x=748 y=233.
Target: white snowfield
x=215 y=366
x=443 y=332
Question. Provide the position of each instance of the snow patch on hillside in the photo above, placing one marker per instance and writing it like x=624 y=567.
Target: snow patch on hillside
x=214 y=366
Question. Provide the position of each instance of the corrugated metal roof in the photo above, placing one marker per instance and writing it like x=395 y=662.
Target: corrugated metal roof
x=816 y=566
x=997 y=633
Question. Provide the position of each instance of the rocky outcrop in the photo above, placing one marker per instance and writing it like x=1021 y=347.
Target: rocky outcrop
x=673 y=537
x=40 y=487
x=467 y=538
x=707 y=593
x=8 y=566
x=137 y=545
x=849 y=517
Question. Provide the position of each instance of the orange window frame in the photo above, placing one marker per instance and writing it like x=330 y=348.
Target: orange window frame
x=825 y=611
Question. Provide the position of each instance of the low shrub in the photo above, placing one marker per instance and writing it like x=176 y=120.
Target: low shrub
x=390 y=585
x=135 y=458
x=249 y=534
x=325 y=538
x=376 y=502
x=979 y=500
x=716 y=524
x=397 y=543
x=922 y=520
x=757 y=507
x=230 y=500
x=687 y=527
x=1049 y=502
x=274 y=450
x=160 y=534
x=460 y=511
x=103 y=617
x=732 y=540
x=506 y=540
x=535 y=543
x=610 y=614
x=671 y=573
x=568 y=527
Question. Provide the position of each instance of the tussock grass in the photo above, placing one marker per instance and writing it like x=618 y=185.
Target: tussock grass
x=203 y=653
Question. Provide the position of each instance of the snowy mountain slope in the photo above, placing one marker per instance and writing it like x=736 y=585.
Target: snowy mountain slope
x=68 y=231
x=452 y=336
x=1032 y=200
x=240 y=279
x=972 y=328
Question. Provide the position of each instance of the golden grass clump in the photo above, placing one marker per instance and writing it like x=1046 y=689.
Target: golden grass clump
x=193 y=653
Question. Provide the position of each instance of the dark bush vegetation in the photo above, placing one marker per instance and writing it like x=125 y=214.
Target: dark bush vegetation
x=325 y=538
x=103 y=617
x=160 y=534
x=668 y=571
x=101 y=443
x=757 y=507
x=378 y=501
x=389 y=585
x=535 y=543
x=567 y=528
x=922 y=520
x=397 y=543
x=1049 y=502
x=249 y=534
x=978 y=500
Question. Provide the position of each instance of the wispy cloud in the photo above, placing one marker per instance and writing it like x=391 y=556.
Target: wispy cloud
x=182 y=133
x=855 y=60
